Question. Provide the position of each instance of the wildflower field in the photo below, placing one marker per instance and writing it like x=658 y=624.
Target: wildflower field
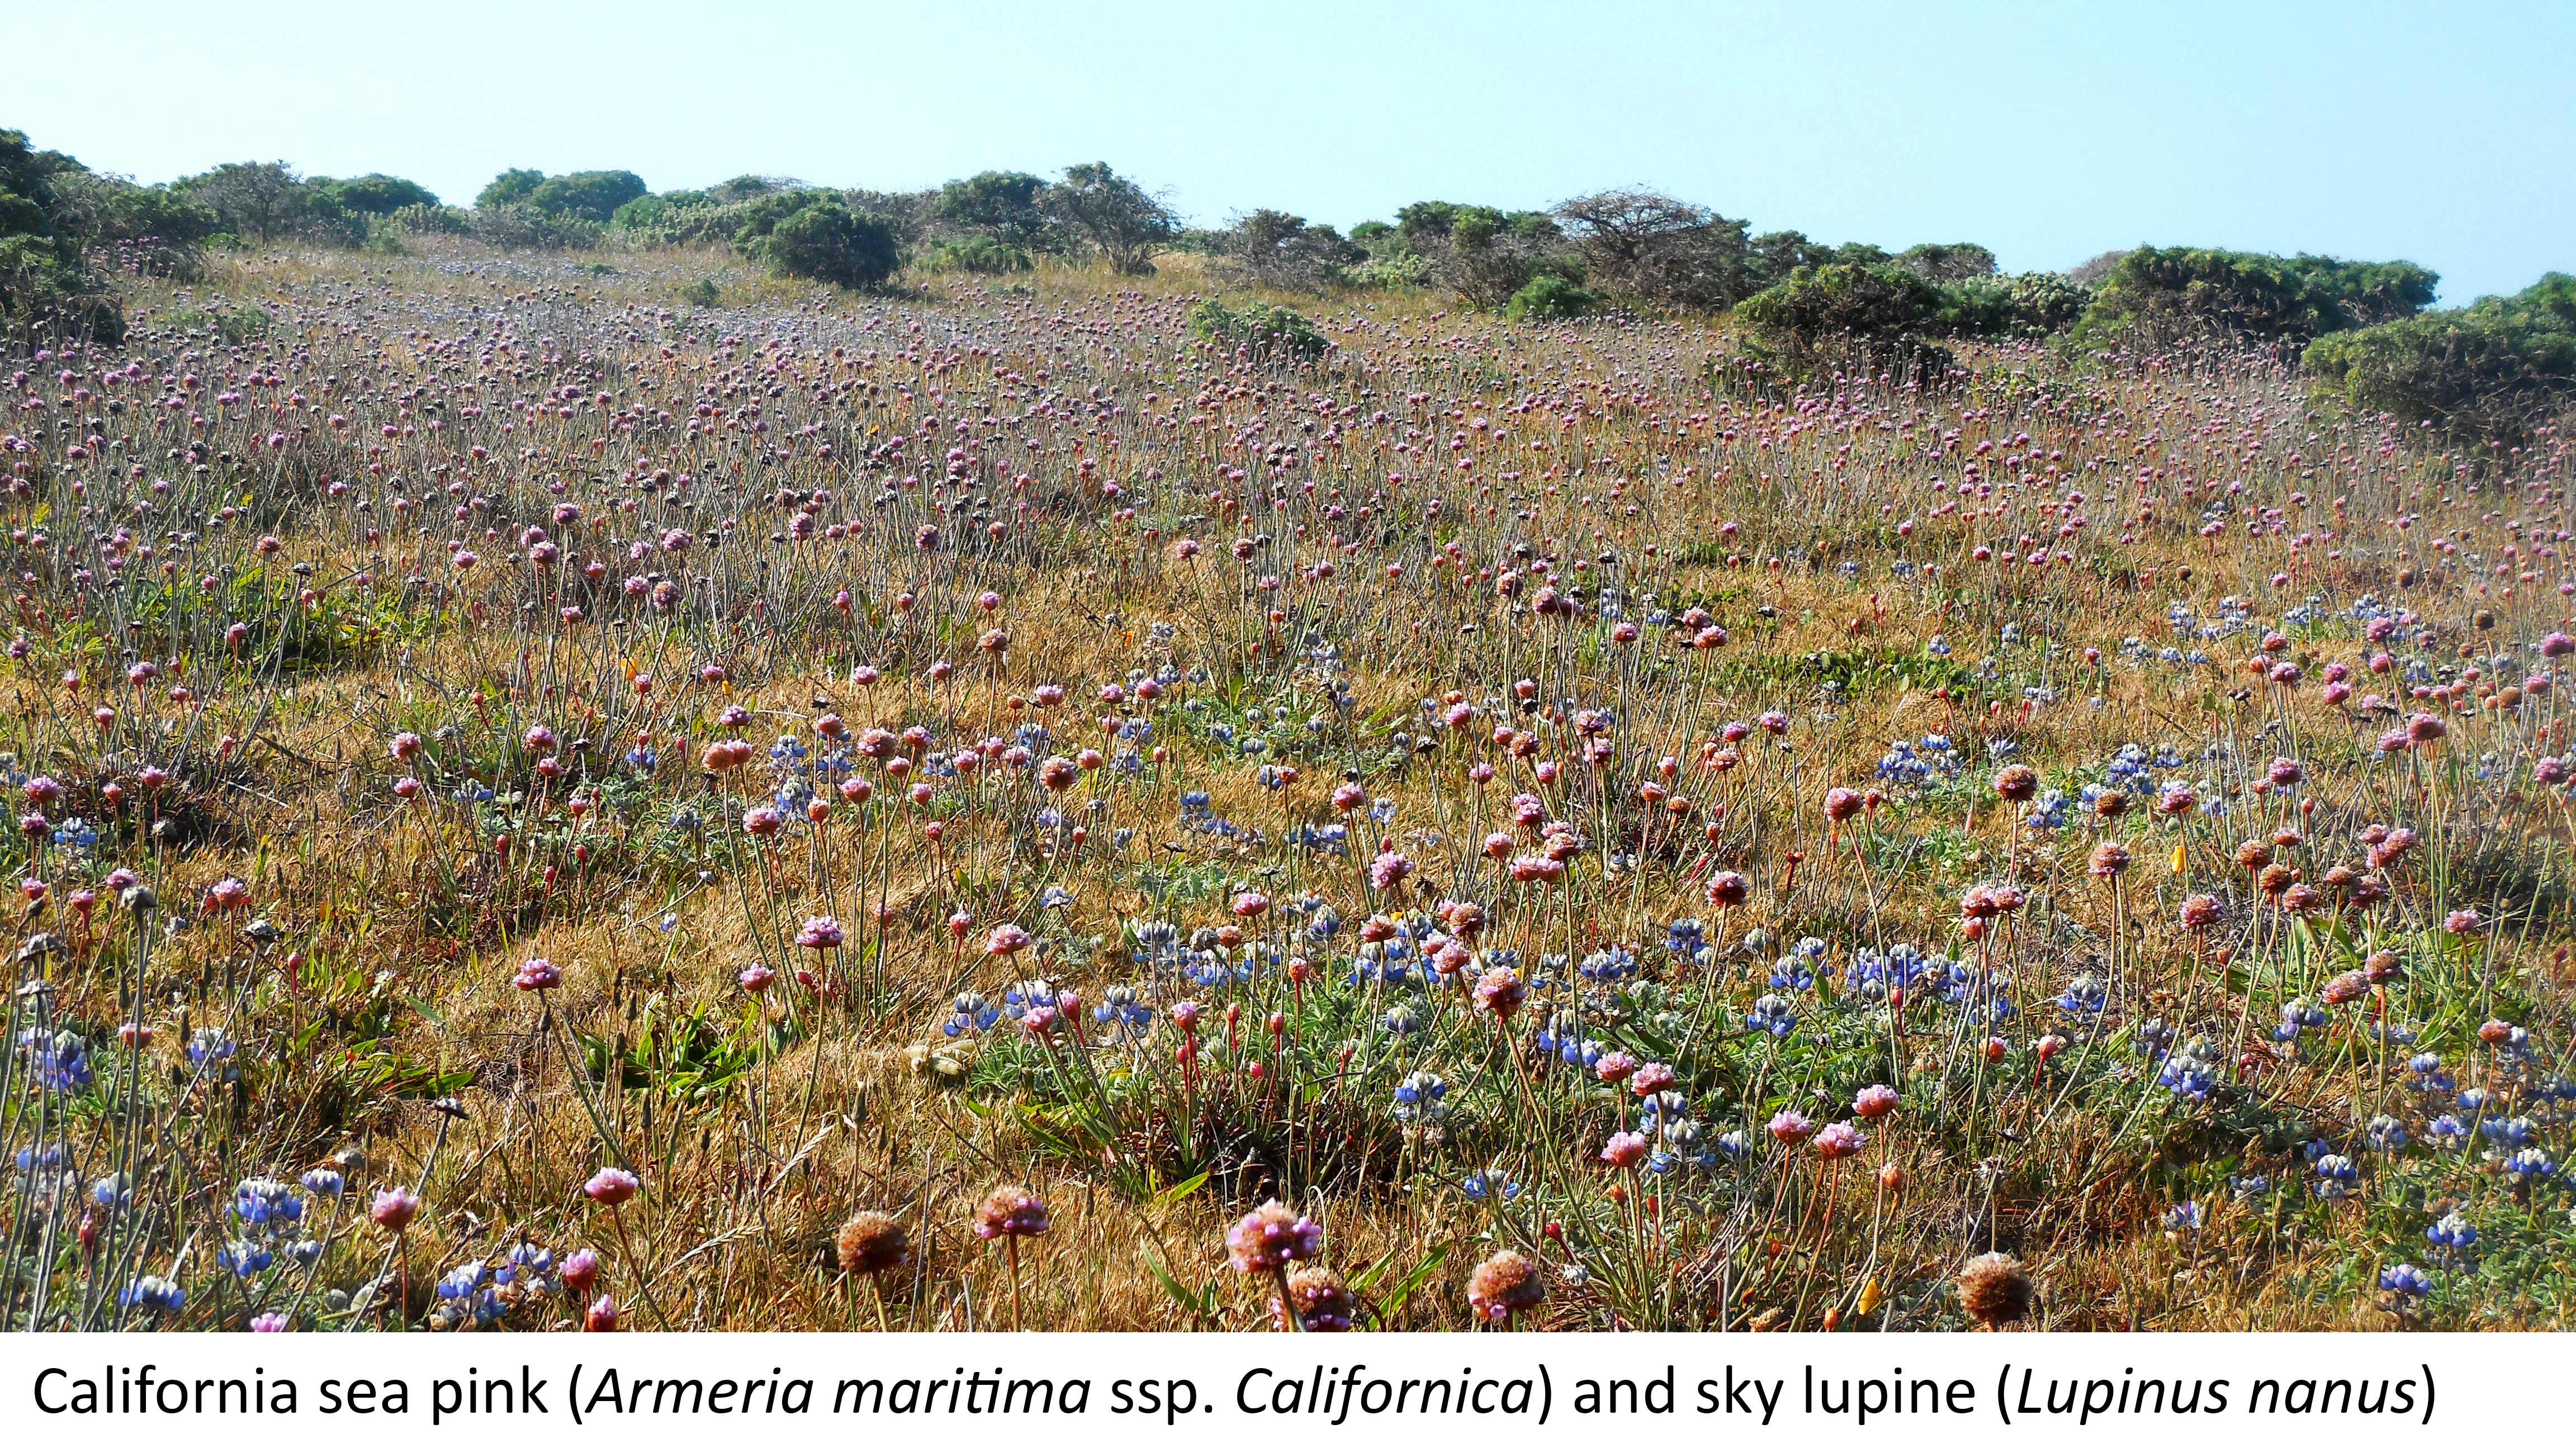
x=572 y=788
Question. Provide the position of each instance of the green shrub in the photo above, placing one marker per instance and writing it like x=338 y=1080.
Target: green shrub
x=1549 y=297
x=2024 y=305
x=521 y=225
x=2164 y=294
x=700 y=293
x=510 y=188
x=589 y=196
x=433 y=220
x=1269 y=332
x=1484 y=254
x=266 y=200
x=1644 y=247
x=1282 y=250
x=826 y=242
x=988 y=256
x=376 y=194
x=1947 y=262
x=1008 y=208
x=1121 y=221
x=2489 y=371
x=51 y=209
x=1883 y=312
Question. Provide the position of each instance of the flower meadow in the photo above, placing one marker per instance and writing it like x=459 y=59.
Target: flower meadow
x=541 y=805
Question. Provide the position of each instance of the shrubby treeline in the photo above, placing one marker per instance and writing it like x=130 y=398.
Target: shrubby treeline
x=2484 y=372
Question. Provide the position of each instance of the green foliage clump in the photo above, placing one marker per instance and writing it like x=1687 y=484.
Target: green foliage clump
x=1484 y=254
x=2165 y=294
x=263 y=201
x=589 y=196
x=60 y=223
x=825 y=241
x=375 y=194
x=1119 y=220
x=2489 y=371
x=1282 y=250
x=1268 y=332
x=1643 y=247
x=1547 y=297
x=2022 y=305
x=1947 y=262
x=1005 y=208
x=432 y=220
x=1845 y=301
x=987 y=256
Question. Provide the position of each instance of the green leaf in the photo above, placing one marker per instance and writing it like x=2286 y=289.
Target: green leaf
x=1202 y=1304
x=1181 y=1192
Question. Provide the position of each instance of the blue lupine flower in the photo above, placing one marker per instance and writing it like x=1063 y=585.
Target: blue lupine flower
x=2336 y=1176
x=244 y=1258
x=1663 y=1107
x=973 y=1015
x=2406 y=1280
x=1490 y=1182
x=2529 y=1164
x=1772 y=1015
x=1121 y=1009
x=1608 y=965
x=1684 y=938
x=59 y=1062
x=2183 y=1216
x=2047 y=813
x=2084 y=997
x=262 y=1201
x=153 y=1294
x=462 y=1281
x=2385 y=1133
x=1418 y=1097
x=2191 y=1072
x=2298 y=1016
x=2452 y=1233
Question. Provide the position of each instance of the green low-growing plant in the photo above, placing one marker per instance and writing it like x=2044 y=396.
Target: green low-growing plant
x=2491 y=370
x=2167 y=293
x=1267 y=331
x=1548 y=297
x=982 y=255
x=826 y=242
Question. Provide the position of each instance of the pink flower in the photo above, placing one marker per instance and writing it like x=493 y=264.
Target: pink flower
x=819 y=934
x=1874 y=1102
x=538 y=974
x=757 y=977
x=1271 y=1237
x=394 y=1208
x=1789 y=1127
x=1624 y=1149
x=1388 y=870
x=1007 y=939
x=612 y=1186
x=1838 y=1140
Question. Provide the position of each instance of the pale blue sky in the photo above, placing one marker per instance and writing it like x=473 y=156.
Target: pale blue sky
x=2048 y=132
